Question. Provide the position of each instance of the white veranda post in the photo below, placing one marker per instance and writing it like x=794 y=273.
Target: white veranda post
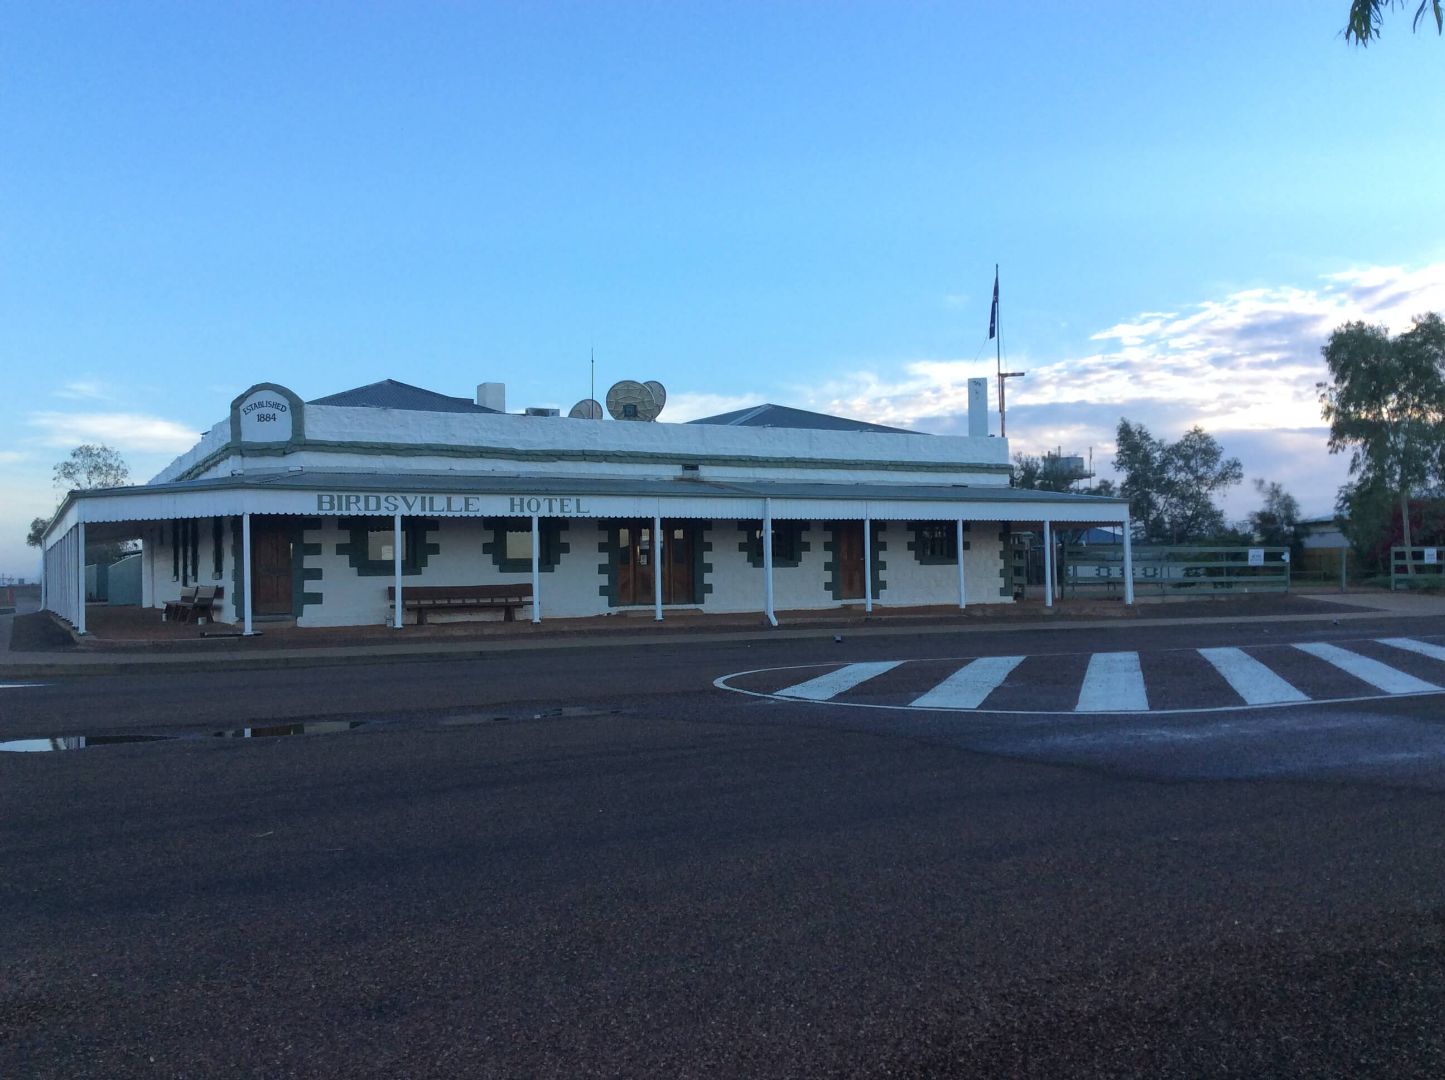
x=867 y=564
x=657 y=567
x=396 y=569
x=80 y=574
x=768 y=562
x=1128 y=565
x=246 y=574
x=962 y=596
x=1048 y=565
x=536 y=572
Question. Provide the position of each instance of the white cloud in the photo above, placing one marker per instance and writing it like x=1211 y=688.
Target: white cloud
x=1244 y=365
x=686 y=405
x=83 y=389
x=126 y=432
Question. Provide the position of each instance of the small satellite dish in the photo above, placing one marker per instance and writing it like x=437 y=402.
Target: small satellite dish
x=630 y=400
x=586 y=409
x=659 y=392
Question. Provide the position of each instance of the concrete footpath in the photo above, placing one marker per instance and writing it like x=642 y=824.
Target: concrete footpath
x=100 y=657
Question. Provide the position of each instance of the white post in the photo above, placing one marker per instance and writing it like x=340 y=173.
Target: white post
x=1048 y=565
x=657 y=567
x=80 y=569
x=396 y=553
x=1128 y=566
x=246 y=574
x=536 y=572
x=962 y=598
x=867 y=564
x=768 y=561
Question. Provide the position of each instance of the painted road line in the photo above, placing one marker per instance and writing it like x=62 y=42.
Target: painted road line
x=1251 y=680
x=828 y=686
x=1113 y=683
x=1381 y=676
x=969 y=685
x=1424 y=648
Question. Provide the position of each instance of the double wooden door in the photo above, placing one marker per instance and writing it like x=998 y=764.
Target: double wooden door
x=636 y=553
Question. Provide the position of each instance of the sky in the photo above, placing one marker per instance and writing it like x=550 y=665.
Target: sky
x=800 y=203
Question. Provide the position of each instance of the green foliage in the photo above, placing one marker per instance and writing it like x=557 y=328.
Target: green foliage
x=91 y=466
x=1171 y=486
x=88 y=466
x=1039 y=474
x=1276 y=522
x=1385 y=404
x=1366 y=16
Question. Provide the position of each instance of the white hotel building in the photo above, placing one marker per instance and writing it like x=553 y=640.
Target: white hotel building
x=312 y=511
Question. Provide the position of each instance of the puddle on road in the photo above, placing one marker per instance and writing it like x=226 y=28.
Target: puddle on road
x=266 y=731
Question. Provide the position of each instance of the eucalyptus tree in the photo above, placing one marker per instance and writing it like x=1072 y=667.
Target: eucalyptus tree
x=1171 y=486
x=1385 y=404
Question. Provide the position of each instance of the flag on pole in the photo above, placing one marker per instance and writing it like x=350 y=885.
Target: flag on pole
x=993 y=311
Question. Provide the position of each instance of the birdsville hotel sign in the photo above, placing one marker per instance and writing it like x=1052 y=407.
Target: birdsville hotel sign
x=327 y=512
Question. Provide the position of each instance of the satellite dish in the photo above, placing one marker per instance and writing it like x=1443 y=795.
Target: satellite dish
x=630 y=400
x=586 y=409
x=659 y=392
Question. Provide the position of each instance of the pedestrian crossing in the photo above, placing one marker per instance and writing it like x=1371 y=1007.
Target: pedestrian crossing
x=1171 y=680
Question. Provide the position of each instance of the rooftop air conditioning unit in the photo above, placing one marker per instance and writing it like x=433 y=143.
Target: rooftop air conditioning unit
x=533 y=410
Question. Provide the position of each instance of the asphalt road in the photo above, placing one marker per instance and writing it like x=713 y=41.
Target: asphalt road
x=597 y=863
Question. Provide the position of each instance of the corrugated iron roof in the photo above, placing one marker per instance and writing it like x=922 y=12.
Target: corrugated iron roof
x=783 y=416
x=390 y=394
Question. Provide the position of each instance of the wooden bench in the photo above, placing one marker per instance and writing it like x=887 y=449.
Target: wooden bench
x=424 y=598
x=195 y=603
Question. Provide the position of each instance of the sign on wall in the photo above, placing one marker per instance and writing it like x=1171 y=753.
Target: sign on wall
x=266 y=413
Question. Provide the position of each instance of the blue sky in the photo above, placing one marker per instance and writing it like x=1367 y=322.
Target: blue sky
x=800 y=203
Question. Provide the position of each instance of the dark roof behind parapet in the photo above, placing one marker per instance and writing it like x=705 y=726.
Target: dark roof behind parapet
x=390 y=394
x=781 y=416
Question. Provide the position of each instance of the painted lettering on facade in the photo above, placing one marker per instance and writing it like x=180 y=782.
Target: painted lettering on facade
x=264 y=417
x=341 y=502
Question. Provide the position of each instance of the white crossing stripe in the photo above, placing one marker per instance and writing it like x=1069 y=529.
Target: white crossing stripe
x=1381 y=676
x=1424 y=648
x=834 y=683
x=969 y=685
x=1113 y=683
x=1251 y=680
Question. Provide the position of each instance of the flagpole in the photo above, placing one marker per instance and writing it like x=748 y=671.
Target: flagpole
x=995 y=331
x=996 y=325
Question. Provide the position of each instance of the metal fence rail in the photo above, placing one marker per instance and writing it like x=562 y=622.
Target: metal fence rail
x=1090 y=569
x=1417 y=567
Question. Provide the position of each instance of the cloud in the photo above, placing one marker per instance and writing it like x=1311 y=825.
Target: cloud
x=686 y=405
x=83 y=390
x=1243 y=366
x=126 y=432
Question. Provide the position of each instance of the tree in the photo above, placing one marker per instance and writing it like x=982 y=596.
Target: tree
x=1276 y=522
x=1367 y=15
x=1385 y=403
x=91 y=466
x=88 y=466
x=1171 y=486
x=1040 y=474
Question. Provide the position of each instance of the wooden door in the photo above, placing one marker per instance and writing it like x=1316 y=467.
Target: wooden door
x=848 y=555
x=677 y=578
x=635 y=569
x=271 y=566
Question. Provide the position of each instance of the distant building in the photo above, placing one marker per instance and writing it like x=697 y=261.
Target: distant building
x=599 y=516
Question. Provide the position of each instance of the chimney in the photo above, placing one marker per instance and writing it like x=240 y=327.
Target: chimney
x=978 y=408
x=492 y=395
